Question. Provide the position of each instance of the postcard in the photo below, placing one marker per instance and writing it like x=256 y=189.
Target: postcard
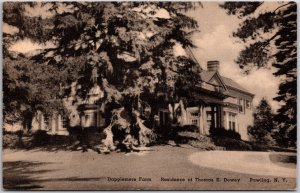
x=151 y=95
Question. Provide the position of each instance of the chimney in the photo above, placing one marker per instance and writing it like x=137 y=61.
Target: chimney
x=213 y=65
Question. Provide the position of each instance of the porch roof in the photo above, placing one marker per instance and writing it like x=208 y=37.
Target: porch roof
x=208 y=100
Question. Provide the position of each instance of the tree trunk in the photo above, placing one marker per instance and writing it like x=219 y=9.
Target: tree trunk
x=135 y=133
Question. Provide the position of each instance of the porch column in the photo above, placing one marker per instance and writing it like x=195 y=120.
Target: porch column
x=220 y=115
x=201 y=120
x=213 y=124
x=53 y=124
x=58 y=123
x=236 y=123
x=204 y=117
x=82 y=119
x=39 y=120
x=42 y=122
x=98 y=118
x=226 y=120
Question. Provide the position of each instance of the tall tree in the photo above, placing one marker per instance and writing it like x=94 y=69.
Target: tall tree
x=263 y=127
x=272 y=38
x=29 y=86
x=130 y=45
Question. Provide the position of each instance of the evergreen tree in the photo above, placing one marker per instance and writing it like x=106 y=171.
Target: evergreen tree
x=272 y=37
x=263 y=127
x=129 y=44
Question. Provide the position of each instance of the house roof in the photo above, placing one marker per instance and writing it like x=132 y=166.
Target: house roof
x=231 y=83
x=206 y=76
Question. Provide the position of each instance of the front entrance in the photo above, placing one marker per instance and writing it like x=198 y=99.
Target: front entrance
x=215 y=116
x=164 y=118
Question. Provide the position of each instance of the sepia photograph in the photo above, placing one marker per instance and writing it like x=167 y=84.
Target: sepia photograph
x=149 y=95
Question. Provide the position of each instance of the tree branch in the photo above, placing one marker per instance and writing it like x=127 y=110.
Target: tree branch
x=281 y=7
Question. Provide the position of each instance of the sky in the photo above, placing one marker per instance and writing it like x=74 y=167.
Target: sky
x=214 y=42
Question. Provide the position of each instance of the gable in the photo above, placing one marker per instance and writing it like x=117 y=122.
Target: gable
x=216 y=79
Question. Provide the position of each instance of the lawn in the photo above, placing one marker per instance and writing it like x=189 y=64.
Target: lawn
x=74 y=170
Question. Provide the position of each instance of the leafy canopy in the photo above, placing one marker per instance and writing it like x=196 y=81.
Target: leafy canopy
x=272 y=38
x=130 y=44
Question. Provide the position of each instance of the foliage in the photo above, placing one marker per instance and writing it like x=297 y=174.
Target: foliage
x=232 y=144
x=40 y=138
x=10 y=140
x=272 y=37
x=222 y=132
x=29 y=86
x=203 y=143
x=130 y=44
x=263 y=126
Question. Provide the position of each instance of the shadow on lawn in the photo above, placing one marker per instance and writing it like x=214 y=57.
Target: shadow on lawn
x=289 y=161
x=21 y=175
x=41 y=141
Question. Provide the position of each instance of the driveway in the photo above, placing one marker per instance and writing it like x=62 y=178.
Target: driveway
x=161 y=168
x=257 y=163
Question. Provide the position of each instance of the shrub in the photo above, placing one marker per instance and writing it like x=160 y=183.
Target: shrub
x=40 y=138
x=232 y=144
x=222 y=132
x=204 y=143
x=10 y=140
x=191 y=128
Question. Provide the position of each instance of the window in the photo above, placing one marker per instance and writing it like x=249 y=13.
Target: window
x=211 y=119
x=231 y=121
x=46 y=119
x=241 y=103
x=64 y=122
x=194 y=122
x=248 y=104
x=86 y=117
x=209 y=115
x=195 y=114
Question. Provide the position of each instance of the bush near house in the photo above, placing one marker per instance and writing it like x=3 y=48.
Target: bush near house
x=202 y=142
x=39 y=139
x=232 y=144
x=240 y=145
x=222 y=132
x=219 y=139
x=188 y=134
x=10 y=140
x=231 y=140
x=226 y=140
x=167 y=133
